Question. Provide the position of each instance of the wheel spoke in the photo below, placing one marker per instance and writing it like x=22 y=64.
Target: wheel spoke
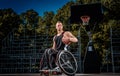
x=67 y=63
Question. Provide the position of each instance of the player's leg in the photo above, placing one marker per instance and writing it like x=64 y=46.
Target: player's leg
x=52 y=58
x=45 y=60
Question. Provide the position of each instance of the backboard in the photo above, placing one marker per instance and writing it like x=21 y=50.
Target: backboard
x=94 y=10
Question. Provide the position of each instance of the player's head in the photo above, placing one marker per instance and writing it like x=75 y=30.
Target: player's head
x=59 y=25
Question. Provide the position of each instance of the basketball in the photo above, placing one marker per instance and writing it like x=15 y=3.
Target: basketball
x=65 y=40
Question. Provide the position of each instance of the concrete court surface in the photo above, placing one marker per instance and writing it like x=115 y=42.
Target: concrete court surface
x=80 y=74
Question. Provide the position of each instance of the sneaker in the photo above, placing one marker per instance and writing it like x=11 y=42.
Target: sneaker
x=57 y=70
x=43 y=69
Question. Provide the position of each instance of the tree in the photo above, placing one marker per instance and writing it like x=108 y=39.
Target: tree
x=8 y=21
x=30 y=20
x=48 y=16
x=113 y=8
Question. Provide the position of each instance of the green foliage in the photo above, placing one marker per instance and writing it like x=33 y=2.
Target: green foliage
x=30 y=20
x=48 y=16
x=8 y=20
x=113 y=8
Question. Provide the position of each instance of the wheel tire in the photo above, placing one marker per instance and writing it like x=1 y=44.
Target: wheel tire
x=64 y=62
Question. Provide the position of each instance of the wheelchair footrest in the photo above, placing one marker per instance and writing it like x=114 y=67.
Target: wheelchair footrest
x=52 y=72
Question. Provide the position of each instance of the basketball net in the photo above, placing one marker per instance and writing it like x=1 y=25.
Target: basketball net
x=85 y=19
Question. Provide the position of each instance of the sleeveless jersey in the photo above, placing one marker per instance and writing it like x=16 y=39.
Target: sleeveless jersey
x=58 y=41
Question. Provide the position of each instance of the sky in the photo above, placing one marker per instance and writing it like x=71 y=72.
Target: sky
x=40 y=6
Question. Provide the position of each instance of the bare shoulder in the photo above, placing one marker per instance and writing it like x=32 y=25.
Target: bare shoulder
x=67 y=32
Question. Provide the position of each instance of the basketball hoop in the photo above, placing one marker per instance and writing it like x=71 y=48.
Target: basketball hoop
x=85 y=19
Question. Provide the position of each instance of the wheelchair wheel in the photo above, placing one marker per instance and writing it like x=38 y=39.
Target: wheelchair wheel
x=41 y=63
x=44 y=62
x=67 y=62
x=51 y=59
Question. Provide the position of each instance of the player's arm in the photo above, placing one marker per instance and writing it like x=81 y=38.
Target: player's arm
x=53 y=46
x=71 y=37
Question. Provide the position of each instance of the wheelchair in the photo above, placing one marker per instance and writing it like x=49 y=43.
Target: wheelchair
x=65 y=61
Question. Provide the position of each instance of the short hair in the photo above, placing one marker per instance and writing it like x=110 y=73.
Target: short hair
x=59 y=21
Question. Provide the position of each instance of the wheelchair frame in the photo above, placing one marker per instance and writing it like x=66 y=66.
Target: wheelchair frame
x=65 y=60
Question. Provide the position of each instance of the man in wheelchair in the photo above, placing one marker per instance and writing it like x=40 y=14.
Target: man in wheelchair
x=60 y=42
